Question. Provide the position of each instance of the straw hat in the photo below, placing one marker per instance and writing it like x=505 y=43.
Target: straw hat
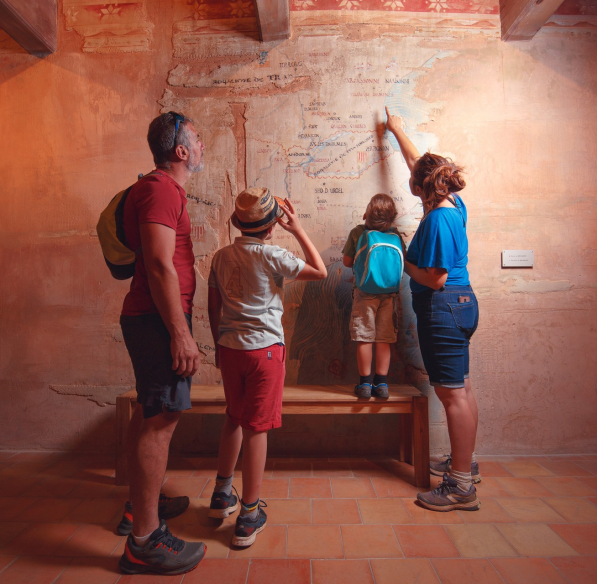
x=255 y=210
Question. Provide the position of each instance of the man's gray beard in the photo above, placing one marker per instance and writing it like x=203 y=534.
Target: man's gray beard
x=193 y=166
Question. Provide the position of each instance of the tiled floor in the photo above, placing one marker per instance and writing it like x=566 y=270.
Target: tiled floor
x=329 y=521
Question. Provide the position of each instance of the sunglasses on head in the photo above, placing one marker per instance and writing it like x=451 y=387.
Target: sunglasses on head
x=179 y=120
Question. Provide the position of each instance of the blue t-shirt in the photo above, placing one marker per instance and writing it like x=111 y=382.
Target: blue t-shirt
x=441 y=242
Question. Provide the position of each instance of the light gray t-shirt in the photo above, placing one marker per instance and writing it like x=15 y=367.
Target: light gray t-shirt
x=250 y=277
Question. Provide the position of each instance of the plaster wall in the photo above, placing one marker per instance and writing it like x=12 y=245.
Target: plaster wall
x=520 y=117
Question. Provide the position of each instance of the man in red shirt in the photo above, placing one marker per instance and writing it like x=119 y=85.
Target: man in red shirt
x=156 y=325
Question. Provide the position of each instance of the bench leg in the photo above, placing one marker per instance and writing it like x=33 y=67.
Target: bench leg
x=420 y=436
x=406 y=438
x=124 y=413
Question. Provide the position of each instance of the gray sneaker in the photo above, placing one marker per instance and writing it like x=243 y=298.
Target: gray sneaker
x=381 y=390
x=442 y=467
x=363 y=391
x=448 y=497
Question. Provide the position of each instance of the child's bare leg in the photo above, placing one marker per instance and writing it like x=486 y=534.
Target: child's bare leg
x=382 y=358
x=254 y=455
x=364 y=356
x=230 y=443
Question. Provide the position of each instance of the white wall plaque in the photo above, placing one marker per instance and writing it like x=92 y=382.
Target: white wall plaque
x=518 y=258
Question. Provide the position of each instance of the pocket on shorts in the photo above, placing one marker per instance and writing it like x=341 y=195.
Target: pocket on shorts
x=466 y=316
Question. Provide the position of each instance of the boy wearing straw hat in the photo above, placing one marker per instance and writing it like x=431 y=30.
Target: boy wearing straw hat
x=245 y=314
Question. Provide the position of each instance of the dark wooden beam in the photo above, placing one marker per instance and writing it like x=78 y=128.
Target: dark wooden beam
x=32 y=23
x=522 y=19
x=273 y=18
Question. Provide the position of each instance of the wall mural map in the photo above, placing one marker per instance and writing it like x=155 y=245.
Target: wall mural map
x=306 y=122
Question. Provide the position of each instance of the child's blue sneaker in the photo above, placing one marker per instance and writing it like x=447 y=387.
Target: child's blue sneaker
x=222 y=505
x=380 y=390
x=363 y=390
x=246 y=530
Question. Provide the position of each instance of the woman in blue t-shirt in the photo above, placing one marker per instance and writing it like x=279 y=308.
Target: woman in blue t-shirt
x=447 y=314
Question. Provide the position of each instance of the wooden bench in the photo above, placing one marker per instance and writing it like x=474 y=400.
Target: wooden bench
x=404 y=400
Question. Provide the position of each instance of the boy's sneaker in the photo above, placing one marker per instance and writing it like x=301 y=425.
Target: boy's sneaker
x=223 y=505
x=442 y=467
x=246 y=530
x=168 y=507
x=163 y=554
x=382 y=390
x=448 y=497
x=363 y=390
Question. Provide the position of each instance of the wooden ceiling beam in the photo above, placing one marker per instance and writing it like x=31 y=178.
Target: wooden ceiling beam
x=273 y=18
x=522 y=19
x=32 y=23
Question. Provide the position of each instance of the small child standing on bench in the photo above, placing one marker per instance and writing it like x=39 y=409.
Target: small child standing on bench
x=245 y=314
x=372 y=317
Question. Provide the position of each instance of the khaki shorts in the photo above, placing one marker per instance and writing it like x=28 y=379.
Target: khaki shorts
x=372 y=318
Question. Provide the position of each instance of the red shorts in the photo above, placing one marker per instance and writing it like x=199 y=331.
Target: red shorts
x=253 y=385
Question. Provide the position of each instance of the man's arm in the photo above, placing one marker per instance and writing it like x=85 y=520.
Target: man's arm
x=431 y=277
x=315 y=268
x=410 y=153
x=214 y=311
x=158 y=243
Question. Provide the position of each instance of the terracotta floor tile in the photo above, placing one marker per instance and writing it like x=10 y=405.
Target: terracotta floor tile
x=277 y=571
x=574 y=509
x=94 y=490
x=394 y=487
x=52 y=487
x=293 y=468
x=521 y=487
x=40 y=539
x=577 y=570
x=10 y=530
x=341 y=572
x=369 y=469
x=28 y=570
x=150 y=579
x=218 y=571
x=565 y=468
x=95 y=511
x=422 y=516
x=301 y=488
x=479 y=541
x=329 y=469
x=192 y=488
x=406 y=571
x=12 y=507
x=490 y=487
x=335 y=511
x=314 y=541
x=48 y=510
x=591 y=482
x=179 y=467
x=526 y=570
x=275 y=488
x=582 y=537
x=287 y=512
x=357 y=488
x=91 y=541
x=489 y=512
x=7 y=454
x=493 y=469
x=270 y=543
x=23 y=469
x=19 y=486
x=399 y=469
x=384 y=511
x=6 y=561
x=461 y=571
x=535 y=539
x=526 y=469
x=589 y=464
x=566 y=486
x=91 y=571
x=425 y=541
x=530 y=511
x=370 y=541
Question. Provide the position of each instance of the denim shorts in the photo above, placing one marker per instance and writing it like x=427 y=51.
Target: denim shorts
x=446 y=320
x=159 y=388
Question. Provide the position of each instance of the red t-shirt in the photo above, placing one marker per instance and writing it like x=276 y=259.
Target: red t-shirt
x=157 y=198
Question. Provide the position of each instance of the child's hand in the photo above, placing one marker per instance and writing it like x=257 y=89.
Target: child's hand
x=393 y=123
x=293 y=225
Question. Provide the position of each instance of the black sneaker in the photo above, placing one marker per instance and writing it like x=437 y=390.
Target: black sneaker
x=168 y=507
x=442 y=467
x=448 y=497
x=163 y=554
x=363 y=390
x=381 y=390
x=246 y=530
x=223 y=505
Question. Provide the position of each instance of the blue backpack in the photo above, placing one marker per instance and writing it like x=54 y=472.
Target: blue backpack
x=378 y=263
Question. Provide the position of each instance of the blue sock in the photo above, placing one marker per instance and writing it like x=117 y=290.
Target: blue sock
x=366 y=379
x=380 y=379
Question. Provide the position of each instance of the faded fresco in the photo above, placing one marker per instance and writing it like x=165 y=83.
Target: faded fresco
x=304 y=118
